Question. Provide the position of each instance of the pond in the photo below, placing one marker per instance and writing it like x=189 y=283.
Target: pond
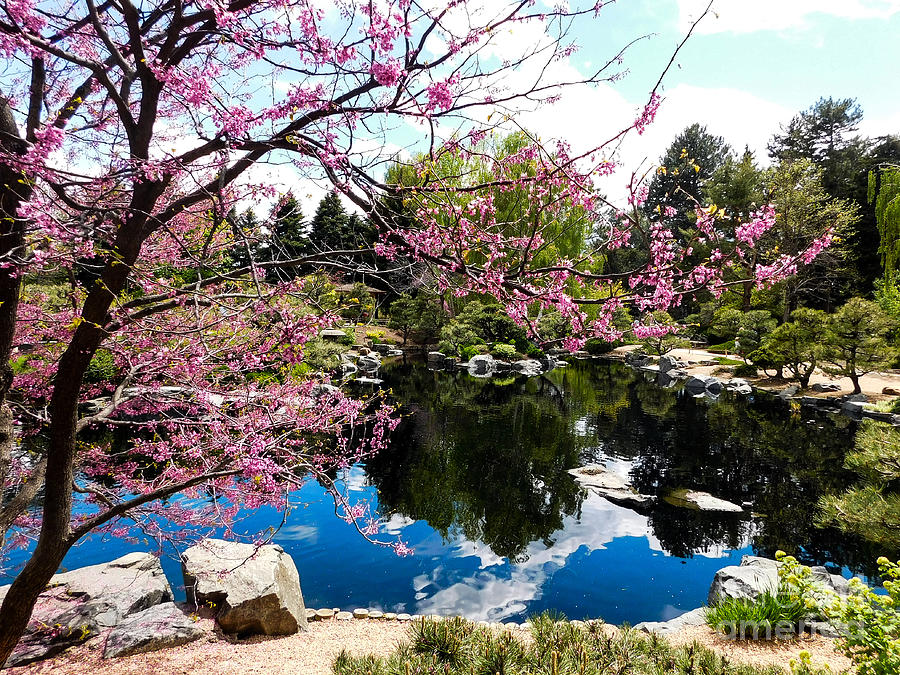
x=476 y=482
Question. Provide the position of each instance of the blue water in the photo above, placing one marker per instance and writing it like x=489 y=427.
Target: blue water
x=475 y=483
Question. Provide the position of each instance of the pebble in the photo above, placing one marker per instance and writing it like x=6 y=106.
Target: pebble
x=376 y=614
x=324 y=613
x=403 y=617
x=343 y=616
x=390 y=616
x=360 y=613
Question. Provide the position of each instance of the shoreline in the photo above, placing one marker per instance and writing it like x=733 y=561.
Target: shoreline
x=312 y=651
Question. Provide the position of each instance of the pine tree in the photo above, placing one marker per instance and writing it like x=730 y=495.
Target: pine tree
x=692 y=159
x=287 y=239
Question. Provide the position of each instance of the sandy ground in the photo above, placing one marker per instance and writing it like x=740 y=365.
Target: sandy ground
x=311 y=652
x=871 y=384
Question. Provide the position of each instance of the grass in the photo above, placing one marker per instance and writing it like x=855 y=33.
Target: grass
x=556 y=647
x=725 y=361
x=768 y=616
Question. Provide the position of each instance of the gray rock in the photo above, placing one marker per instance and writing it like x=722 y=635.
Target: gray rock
x=826 y=386
x=609 y=485
x=786 y=393
x=738 y=386
x=332 y=334
x=394 y=352
x=548 y=362
x=381 y=348
x=81 y=603
x=857 y=398
x=321 y=390
x=368 y=380
x=852 y=409
x=528 y=367
x=668 y=363
x=436 y=359
x=348 y=369
x=256 y=589
x=696 y=617
x=742 y=582
x=637 y=359
x=481 y=364
x=702 y=501
x=703 y=384
x=158 y=627
x=370 y=363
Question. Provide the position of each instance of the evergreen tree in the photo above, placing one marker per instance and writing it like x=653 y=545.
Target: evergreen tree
x=287 y=238
x=825 y=133
x=856 y=341
x=691 y=160
x=245 y=230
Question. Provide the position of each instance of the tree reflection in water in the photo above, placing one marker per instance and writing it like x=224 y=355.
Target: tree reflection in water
x=488 y=459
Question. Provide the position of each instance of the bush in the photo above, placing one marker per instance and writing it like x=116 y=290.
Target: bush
x=503 y=351
x=459 y=647
x=596 y=346
x=868 y=621
x=473 y=350
x=102 y=367
x=768 y=616
x=744 y=370
x=376 y=336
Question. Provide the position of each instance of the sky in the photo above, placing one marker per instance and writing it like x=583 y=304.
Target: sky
x=748 y=68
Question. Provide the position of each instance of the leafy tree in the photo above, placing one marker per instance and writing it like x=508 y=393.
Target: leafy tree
x=747 y=328
x=692 y=159
x=794 y=345
x=663 y=341
x=418 y=316
x=804 y=210
x=856 y=341
x=739 y=188
x=884 y=195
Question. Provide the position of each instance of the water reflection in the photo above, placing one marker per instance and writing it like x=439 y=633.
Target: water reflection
x=486 y=460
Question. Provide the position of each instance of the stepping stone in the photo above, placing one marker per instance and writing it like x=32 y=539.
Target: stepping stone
x=390 y=616
x=360 y=613
x=403 y=617
x=343 y=616
x=375 y=614
x=325 y=614
x=311 y=615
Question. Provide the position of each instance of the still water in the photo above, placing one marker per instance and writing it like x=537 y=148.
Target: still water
x=475 y=481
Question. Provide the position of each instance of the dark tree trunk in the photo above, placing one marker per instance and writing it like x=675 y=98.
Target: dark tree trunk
x=855 y=380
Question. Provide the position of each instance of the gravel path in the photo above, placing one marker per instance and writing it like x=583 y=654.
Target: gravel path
x=311 y=652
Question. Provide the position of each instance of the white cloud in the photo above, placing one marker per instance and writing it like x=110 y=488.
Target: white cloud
x=741 y=16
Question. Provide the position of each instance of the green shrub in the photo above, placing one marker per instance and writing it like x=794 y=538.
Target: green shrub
x=459 y=647
x=596 y=346
x=868 y=621
x=768 y=616
x=744 y=370
x=722 y=347
x=473 y=350
x=102 y=367
x=724 y=361
x=503 y=351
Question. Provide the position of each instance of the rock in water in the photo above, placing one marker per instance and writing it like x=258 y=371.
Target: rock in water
x=256 y=588
x=79 y=604
x=702 y=501
x=696 y=617
x=528 y=367
x=158 y=627
x=605 y=483
x=481 y=364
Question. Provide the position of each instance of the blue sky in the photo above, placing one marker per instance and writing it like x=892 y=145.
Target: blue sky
x=748 y=69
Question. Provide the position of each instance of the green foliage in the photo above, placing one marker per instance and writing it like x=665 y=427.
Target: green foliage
x=868 y=622
x=102 y=367
x=887 y=295
x=663 y=344
x=474 y=350
x=748 y=328
x=856 y=340
x=766 y=617
x=357 y=305
x=794 y=345
x=692 y=158
x=420 y=317
x=459 y=647
x=725 y=361
x=871 y=508
x=596 y=346
x=324 y=355
x=745 y=370
x=884 y=194
x=503 y=351
x=482 y=323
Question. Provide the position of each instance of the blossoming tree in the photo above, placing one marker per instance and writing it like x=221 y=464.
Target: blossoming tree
x=127 y=133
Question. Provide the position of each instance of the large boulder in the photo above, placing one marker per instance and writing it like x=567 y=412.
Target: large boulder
x=369 y=363
x=702 y=501
x=738 y=386
x=528 y=367
x=83 y=602
x=667 y=363
x=704 y=384
x=748 y=580
x=159 y=627
x=255 y=588
x=481 y=364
